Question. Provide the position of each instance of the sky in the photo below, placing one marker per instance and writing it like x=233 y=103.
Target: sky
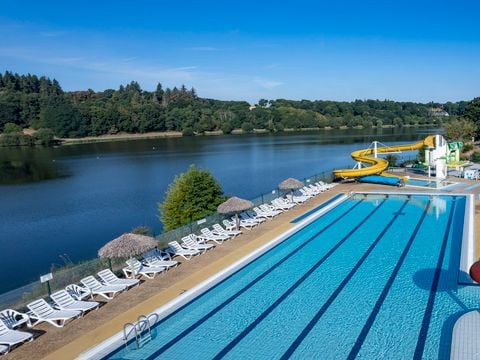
x=332 y=50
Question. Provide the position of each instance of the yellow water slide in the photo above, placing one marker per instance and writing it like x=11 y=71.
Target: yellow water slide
x=379 y=165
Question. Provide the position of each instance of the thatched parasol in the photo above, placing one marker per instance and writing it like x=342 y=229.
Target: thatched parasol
x=290 y=184
x=234 y=205
x=127 y=245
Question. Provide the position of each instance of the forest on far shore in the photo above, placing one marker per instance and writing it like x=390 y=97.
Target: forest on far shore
x=29 y=101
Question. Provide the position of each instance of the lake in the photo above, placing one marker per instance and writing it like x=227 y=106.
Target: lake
x=66 y=202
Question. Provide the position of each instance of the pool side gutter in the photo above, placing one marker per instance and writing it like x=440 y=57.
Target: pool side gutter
x=108 y=346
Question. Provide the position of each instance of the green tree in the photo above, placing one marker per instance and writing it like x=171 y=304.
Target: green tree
x=247 y=127
x=192 y=195
x=9 y=128
x=461 y=129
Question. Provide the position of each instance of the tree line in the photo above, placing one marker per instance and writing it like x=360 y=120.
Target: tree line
x=29 y=101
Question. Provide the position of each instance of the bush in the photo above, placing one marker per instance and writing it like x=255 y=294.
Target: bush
x=142 y=230
x=9 y=128
x=192 y=196
x=188 y=131
x=247 y=127
x=392 y=160
x=43 y=137
x=467 y=147
x=475 y=157
x=227 y=127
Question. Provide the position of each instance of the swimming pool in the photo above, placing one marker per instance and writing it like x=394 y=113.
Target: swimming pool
x=432 y=184
x=375 y=277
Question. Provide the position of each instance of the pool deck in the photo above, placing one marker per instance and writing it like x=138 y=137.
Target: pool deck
x=97 y=326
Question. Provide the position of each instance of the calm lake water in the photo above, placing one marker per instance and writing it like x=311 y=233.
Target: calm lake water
x=69 y=201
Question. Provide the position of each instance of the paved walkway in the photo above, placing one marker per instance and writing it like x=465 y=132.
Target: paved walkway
x=82 y=334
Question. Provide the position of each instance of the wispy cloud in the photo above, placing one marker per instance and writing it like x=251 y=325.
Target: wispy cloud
x=124 y=67
x=267 y=83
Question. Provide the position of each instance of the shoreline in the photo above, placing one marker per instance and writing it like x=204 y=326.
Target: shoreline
x=176 y=134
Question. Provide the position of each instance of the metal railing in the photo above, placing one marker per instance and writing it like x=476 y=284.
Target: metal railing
x=72 y=273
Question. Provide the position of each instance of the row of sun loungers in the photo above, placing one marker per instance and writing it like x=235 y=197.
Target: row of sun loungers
x=76 y=300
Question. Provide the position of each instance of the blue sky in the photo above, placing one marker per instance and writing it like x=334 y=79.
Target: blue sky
x=342 y=50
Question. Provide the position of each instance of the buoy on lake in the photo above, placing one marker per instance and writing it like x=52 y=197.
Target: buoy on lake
x=475 y=271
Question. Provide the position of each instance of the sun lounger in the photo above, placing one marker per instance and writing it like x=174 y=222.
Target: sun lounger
x=109 y=278
x=159 y=258
x=231 y=225
x=14 y=319
x=10 y=338
x=176 y=249
x=97 y=288
x=190 y=242
x=252 y=217
x=219 y=230
x=41 y=311
x=136 y=268
x=64 y=301
x=78 y=292
x=270 y=209
x=207 y=235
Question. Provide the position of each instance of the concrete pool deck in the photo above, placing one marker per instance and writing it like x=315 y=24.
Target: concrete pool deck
x=97 y=326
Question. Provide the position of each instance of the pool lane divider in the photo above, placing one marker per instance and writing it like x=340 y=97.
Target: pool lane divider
x=296 y=343
x=422 y=337
x=292 y=288
x=376 y=308
x=241 y=291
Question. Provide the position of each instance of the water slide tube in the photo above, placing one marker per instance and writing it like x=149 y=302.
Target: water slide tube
x=379 y=165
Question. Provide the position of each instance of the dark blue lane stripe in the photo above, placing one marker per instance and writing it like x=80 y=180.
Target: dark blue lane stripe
x=339 y=289
x=376 y=309
x=292 y=288
x=244 y=289
x=422 y=337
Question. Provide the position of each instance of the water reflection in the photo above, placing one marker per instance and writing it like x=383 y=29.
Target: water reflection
x=20 y=166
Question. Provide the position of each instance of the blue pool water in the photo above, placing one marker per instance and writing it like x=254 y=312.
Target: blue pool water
x=315 y=209
x=375 y=277
x=434 y=184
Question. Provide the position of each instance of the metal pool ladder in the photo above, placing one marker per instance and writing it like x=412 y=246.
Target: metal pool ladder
x=141 y=329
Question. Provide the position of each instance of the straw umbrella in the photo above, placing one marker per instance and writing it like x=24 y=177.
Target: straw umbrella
x=234 y=205
x=290 y=185
x=127 y=245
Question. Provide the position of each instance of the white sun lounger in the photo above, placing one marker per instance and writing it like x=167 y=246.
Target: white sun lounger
x=14 y=319
x=79 y=292
x=109 y=278
x=41 y=311
x=176 y=249
x=219 y=230
x=64 y=301
x=209 y=236
x=241 y=223
x=9 y=337
x=136 y=268
x=190 y=242
x=97 y=288
x=159 y=258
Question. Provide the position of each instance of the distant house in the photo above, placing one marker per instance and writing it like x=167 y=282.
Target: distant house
x=252 y=107
x=437 y=112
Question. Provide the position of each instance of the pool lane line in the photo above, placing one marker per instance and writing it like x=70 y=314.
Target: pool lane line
x=422 y=337
x=376 y=308
x=306 y=330
x=244 y=289
x=292 y=288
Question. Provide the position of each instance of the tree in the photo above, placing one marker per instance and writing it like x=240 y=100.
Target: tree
x=192 y=195
x=9 y=128
x=461 y=129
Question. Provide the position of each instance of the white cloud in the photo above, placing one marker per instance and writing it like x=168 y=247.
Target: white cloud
x=267 y=83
